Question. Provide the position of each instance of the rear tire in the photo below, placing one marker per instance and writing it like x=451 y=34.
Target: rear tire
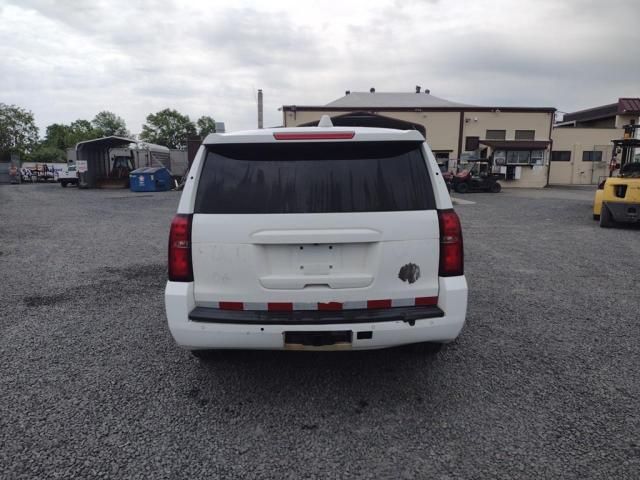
x=462 y=188
x=63 y=184
x=596 y=217
x=495 y=188
x=606 y=220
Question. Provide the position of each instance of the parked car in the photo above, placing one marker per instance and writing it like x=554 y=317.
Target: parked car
x=68 y=176
x=315 y=238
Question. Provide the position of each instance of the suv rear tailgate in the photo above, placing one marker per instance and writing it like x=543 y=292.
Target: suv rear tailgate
x=268 y=259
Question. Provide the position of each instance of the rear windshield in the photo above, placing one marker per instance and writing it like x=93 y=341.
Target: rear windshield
x=314 y=178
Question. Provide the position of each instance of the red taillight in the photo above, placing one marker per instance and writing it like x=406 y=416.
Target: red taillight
x=451 y=253
x=180 y=268
x=315 y=136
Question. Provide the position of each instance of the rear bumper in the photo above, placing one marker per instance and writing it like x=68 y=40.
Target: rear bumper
x=245 y=330
x=624 y=212
x=314 y=317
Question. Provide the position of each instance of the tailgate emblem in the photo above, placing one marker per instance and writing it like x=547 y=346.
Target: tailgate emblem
x=409 y=273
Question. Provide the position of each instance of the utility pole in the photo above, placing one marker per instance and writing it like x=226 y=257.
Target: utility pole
x=260 y=108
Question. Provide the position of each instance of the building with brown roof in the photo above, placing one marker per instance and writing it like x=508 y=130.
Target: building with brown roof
x=518 y=139
x=582 y=147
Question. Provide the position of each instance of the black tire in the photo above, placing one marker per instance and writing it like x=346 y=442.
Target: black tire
x=495 y=188
x=63 y=184
x=606 y=220
x=462 y=187
x=596 y=217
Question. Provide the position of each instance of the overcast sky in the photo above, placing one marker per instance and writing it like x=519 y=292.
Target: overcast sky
x=70 y=59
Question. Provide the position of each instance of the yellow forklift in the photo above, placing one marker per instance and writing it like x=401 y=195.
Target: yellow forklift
x=617 y=199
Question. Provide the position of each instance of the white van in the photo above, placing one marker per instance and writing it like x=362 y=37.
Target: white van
x=315 y=238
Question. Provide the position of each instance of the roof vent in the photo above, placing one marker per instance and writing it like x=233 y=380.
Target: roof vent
x=372 y=90
x=418 y=87
x=427 y=91
x=347 y=92
x=325 y=121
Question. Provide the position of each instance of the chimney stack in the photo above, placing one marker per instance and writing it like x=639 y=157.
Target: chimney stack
x=418 y=88
x=372 y=90
x=259 y=108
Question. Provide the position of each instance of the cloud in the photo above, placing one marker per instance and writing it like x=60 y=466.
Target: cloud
x=68 y=60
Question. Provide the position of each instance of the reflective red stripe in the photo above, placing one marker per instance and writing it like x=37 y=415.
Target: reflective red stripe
x=280 y=306
x=422 y=301
x=288 y=306
x=330 y=306
x=379 y=304
x=231 y=305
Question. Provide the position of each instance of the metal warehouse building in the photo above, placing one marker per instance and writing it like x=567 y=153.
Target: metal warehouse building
x=517 y=138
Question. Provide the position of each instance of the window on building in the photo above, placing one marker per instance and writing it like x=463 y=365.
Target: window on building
x=518 y=157
x=592 y=156
x=496 y=134
x=537 y=157
x=471 y=143
x=525 y=135
x=561 y=156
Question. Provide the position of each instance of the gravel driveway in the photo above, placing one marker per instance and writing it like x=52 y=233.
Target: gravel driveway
x=543 y=383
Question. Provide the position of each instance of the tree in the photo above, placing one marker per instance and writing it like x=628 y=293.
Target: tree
x=62 y=136
x=83 y=130
x=57 y=136
x=206 y=125
x=45 y=154
x=108 y=123
x=168 y=127
x=18 y=131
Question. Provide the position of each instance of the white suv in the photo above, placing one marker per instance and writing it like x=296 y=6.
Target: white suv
x=315 y=238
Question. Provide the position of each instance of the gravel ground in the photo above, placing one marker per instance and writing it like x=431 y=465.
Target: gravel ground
x=543 y=383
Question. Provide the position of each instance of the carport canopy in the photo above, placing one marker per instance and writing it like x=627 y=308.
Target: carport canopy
x=104 y=143
x=95 y=153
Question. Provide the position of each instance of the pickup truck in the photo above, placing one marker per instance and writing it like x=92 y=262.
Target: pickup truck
x=68 y=176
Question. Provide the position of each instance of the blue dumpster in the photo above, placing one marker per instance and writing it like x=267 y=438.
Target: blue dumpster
x=150 y=179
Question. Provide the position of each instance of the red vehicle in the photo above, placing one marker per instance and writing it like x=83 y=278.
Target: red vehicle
x=477 y=179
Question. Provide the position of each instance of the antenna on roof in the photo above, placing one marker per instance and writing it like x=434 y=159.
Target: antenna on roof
x=325 y=121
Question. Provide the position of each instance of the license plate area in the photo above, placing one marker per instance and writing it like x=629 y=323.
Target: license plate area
x=326 y=340
x=316 y=259
x=326 y=265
